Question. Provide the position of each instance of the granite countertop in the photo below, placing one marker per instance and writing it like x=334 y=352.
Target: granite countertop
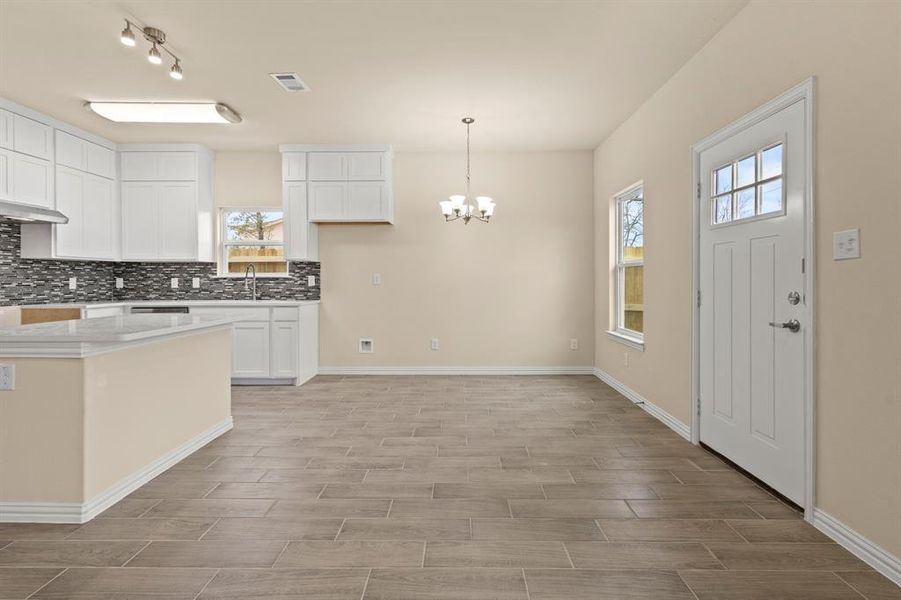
x=126 y=328
x=262 y=303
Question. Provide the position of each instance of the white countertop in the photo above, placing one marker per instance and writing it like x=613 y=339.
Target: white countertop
x=126 y=328
x=262 y=303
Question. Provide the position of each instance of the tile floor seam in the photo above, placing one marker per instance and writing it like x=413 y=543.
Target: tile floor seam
x=205 y=585
x=525 y=583
x=204 y=497
x=366 y=584
x=737 y=532
x=52 y=579
x=685 y=583
x=279 y=555
x=340 y=529
x=133 y=556
x=854 y=588
x=208 y=529
x=568 y=556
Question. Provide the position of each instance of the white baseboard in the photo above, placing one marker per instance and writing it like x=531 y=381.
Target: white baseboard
x=73 y=512
x=875 y=556
x=456 y=370
x=651 y=408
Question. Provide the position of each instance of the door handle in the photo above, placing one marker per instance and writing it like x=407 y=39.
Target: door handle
x=794 y=326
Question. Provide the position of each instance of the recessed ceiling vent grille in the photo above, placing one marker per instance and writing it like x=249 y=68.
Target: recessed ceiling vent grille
x=290 y=81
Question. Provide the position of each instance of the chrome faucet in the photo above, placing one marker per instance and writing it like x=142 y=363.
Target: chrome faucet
x=250 y=268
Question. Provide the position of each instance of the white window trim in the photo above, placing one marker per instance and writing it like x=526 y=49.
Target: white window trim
x=223 y=244
x=618 y=331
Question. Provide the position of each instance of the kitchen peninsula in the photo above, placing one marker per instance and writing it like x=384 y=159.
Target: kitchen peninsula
x=100 y=406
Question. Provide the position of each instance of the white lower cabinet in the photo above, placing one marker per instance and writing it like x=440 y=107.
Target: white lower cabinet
x=283 y=359
x=250 y=350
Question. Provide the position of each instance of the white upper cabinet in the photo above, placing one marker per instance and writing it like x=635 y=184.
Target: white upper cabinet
x=6 y=129
x=366 y=166
x=89 y=202
x=327 y=166
x=158 y=166
x=302 y=237
x=167 y=203
x=74 y=152
x=6 y=174
x=328 y=200
x=294 y=166
x=31 y=137
x=32 y=180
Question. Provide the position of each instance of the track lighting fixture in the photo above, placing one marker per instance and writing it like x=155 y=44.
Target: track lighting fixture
x=157 y=39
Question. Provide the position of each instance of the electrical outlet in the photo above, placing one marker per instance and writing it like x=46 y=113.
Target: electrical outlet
x=195 y=282
x=574 y=344
x=120 y=283
x=376 y=279
x=7 y=377
x=174 y=283
x=366 y=346
x=311 y=280
x=625 y=359
x=73 y=283
x=436 y=344
x=846 y=244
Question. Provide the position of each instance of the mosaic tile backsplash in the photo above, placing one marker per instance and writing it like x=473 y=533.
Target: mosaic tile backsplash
x=27 y=281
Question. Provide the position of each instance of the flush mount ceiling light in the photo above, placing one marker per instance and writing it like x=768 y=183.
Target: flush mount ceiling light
x=165 y=112
x=157 y=39
x=458 y=206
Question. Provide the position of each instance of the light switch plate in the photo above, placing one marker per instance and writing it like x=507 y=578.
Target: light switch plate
x=73 y=283
x=436 y=344
x=7 y=377
x=174 y=283
x=195 y=282
x=376 y=279
x=846 y=244
x=311 y=280
x=120 y=283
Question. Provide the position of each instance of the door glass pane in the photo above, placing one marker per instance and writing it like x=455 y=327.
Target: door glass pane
x=254 y=225
x=771 y=162
x=723 y=180
x=722 y=209
x=633 y=229
x=744 y=204
x=746 y=171
x=266 y=259
x=771 y=196
x=633 y=298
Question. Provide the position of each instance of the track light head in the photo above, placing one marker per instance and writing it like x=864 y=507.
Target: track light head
x=154 y=56
x=175 y=72
x=128 y=36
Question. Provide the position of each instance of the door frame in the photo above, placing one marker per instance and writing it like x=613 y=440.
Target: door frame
x=803 y=91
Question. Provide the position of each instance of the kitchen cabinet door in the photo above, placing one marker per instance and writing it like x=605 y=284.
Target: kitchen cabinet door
x=32 y=138
x=140 y=220
x=327 y=166
x=6 y=175
x=302 y=236
x=250 y=349
x=6 y=129
x=139 y=166
x=70 y=150
x=98 y=218
x=365 y=166
x=294 y=166
x=32 y=180
x=283 y=359
x=99 y=160
x=367 y=201
x=178 y=166
x=69 y=201
x=328 y=200
x=178 y=221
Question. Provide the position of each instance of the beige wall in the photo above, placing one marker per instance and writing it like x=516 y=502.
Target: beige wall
x=854 y=50
x=247 y=179
x=509 y=293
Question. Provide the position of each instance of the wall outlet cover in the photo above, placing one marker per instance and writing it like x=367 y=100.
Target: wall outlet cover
x=7 y=377
x=366 y=346
x=376 y=279
x=174 y=283
x=574 y=344
x=120 y=283
x=195 y=282
x=846 y=244
x=436 y=344
x=73 y=283
x=311 y=280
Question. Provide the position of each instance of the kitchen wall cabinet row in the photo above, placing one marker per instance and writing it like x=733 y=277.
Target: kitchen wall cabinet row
x=26 y=152
x=333 y=184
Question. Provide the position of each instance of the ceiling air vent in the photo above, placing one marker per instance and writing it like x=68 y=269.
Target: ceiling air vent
x=290 y=81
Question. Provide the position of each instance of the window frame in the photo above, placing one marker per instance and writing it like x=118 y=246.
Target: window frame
x=224 y=244
x=756 y=185
x=618 y=329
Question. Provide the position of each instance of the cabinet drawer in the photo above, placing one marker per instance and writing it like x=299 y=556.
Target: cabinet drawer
x=245 y=314
x=284 y=313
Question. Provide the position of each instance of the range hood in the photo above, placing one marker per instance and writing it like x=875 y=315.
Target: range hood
x=30 y=214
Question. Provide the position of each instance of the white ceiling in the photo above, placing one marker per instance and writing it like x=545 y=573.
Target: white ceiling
x=546 y=75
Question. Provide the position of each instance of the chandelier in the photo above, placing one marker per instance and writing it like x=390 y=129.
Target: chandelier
x=458 y=206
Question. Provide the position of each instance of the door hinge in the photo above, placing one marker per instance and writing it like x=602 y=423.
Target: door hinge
x=803 y=265
x=699 y=298
x=699 y=407
x=699 y=190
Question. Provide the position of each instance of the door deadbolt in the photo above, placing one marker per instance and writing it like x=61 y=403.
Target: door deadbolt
x=794 y=298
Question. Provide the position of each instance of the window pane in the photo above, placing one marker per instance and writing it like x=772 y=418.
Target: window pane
x=254 y=225
x=633 y=298
x=771 y=196
x=266 y=259
x=724 y=180
x=633 y=228
x=722 y=209
x=771 y=162
x=746 y=171
x=744 y=204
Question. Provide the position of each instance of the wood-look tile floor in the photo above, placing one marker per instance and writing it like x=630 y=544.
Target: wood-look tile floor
x=440 y=487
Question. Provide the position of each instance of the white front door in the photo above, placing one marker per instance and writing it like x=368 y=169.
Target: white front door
x=753 y=309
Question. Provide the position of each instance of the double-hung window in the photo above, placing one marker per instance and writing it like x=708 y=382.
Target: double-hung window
x=628 y=276
x=255 y=237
